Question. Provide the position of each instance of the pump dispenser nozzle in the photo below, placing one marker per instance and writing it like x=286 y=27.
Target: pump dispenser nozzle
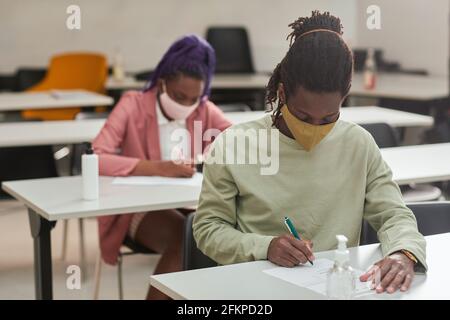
x=341 y=254
x=341 y=278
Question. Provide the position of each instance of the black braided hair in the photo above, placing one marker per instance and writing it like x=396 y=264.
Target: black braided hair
x=318 y=61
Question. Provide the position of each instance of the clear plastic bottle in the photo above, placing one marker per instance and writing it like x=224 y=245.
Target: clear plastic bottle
x=370 y=70
x=341 y=277
x=118 y=66
x=89 y=173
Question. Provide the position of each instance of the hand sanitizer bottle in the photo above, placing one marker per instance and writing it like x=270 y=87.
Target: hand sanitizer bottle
x=89 y=172
x=341 y=277
x=370 y=70
x=118 y=68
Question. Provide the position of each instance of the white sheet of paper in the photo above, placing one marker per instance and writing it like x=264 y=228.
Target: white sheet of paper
x=194 y=181
x=70 y=94
x=315 y=277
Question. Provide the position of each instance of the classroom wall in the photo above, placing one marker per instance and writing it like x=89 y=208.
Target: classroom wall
x=33 y=30
x=413 y=31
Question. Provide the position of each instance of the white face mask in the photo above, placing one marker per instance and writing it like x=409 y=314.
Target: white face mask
x=173 y=109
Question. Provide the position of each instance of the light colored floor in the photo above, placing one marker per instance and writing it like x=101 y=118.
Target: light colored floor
x=16 y=261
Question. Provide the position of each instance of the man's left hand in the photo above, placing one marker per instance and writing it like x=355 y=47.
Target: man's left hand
x=394 y=272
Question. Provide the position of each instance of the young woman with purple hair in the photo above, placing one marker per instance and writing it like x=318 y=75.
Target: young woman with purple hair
x=137 y=140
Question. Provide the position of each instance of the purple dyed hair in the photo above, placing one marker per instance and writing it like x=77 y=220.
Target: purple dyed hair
x=189 y=54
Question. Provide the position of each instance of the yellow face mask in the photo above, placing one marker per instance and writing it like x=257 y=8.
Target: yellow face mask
x=306 y=134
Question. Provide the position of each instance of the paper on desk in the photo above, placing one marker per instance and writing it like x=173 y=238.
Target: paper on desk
x=67 y=94
x=194 y=181
x=315 y=277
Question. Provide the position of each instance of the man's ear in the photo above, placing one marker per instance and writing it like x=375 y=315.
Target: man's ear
x=281 y=94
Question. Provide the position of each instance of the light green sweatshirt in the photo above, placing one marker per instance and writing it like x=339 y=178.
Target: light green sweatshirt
x=325 y=192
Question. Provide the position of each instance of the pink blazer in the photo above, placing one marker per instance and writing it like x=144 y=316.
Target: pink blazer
x=130 y=134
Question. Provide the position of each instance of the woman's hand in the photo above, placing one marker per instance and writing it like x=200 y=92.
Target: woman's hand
x=164 y=169
x=391 y=273
x=172 y=169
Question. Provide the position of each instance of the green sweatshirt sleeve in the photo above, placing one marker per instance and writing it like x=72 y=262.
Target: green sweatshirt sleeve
x=386 y=212
x=215 y=223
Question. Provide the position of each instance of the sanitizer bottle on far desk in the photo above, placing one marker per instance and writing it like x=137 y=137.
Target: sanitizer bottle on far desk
x=341 y=277
x=370 y=70
x=89 y=172
x=118 y=66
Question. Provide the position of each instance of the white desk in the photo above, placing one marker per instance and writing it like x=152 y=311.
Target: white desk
x=13 y=101
x=409 y=164
x=359 y=115
x=219 y=81
x=247 y=280
x=32 y=133
x=52 y=199
x=240 y=81
x=127 y=83
x=60 y=198
x=419 y=164
x=401 y=86
x=389 y=85
x=68 y=132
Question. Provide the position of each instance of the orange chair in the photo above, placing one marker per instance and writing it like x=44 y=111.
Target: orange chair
x=86 y=71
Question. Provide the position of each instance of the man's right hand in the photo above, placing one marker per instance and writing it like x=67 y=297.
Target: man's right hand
x=163 y=169
x=286 y=251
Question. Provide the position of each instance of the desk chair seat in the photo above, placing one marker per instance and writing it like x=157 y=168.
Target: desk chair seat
x=432 y=218
x=75 y=70
x=134 y=247
x=422 y=193
x=386 y=137
x=193 y=258
x=131 y=248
